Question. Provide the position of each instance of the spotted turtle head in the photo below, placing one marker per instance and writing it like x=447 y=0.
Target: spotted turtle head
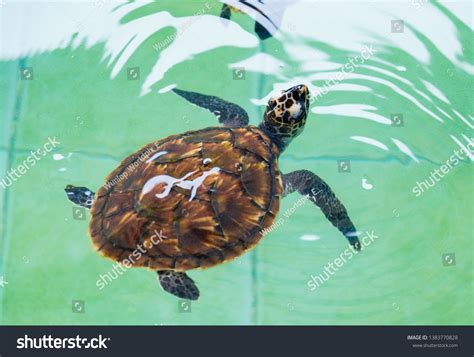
x=285 y=115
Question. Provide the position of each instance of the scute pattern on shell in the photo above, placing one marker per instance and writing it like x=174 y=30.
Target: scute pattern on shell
x=224 y=219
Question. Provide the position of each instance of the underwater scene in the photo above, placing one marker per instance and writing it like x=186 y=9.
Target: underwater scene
x=333 y=184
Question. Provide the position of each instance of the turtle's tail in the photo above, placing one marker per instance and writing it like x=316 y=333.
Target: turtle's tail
x=80 y=196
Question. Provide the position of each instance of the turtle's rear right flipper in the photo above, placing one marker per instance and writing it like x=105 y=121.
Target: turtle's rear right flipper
x=80 y=196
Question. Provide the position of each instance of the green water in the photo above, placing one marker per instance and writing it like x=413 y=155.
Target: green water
x=401 y=278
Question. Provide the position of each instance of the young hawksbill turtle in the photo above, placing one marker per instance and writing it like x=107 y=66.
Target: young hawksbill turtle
x=210 y=193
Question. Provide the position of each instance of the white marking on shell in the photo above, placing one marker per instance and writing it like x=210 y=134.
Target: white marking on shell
x=206 y=161
x=170 y=181
x=157 y=155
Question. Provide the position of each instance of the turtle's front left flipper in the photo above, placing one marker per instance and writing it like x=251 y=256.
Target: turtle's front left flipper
x=80 y=196
x=318 y=191
x=229 y=114
x=178 y=284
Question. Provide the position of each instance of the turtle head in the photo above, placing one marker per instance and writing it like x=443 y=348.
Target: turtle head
x=285 y=115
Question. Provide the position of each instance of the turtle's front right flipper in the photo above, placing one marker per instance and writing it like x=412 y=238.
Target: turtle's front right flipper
x=318 y=191
x=80 y=196
x=229 y=114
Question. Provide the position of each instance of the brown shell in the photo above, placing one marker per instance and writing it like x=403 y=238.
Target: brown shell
x=225 y=218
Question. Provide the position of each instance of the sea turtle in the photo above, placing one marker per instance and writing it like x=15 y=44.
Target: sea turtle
x=204 y=197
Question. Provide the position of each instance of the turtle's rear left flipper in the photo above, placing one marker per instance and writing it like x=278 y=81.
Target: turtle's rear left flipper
x=80 y=196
